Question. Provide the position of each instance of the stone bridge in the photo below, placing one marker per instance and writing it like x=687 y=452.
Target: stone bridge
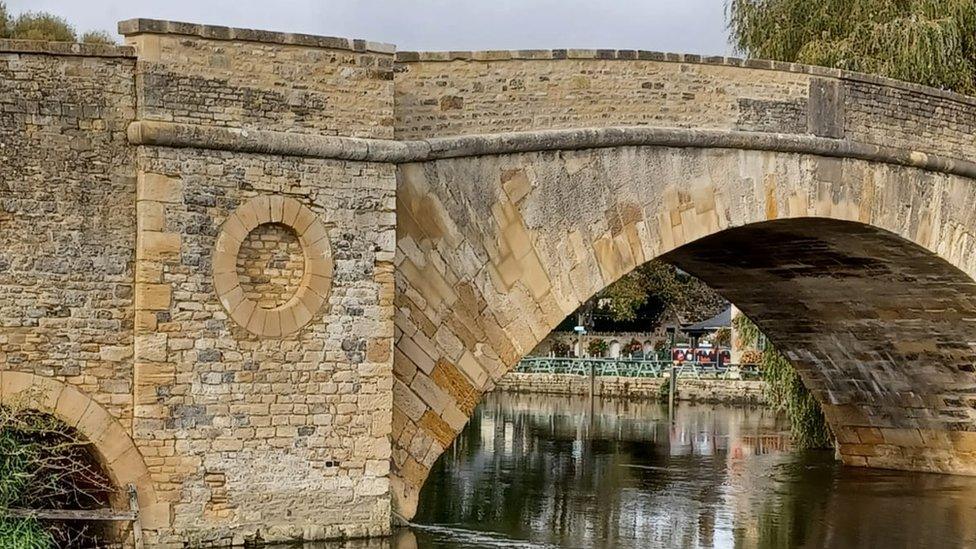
x=270 y=275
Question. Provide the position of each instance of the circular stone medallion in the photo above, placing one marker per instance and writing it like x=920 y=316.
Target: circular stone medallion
x=272 y=265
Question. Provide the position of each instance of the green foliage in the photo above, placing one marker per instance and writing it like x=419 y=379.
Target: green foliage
x=748 y=333
x=662 y=282
x=45 y=26
x=560 y=348
x=25 y=533
x=597 y=347
x=786 y=391
x=784 y=388
x=722 y=337
x=931 y=42
x=44 y=464
x=41 y=26
x=97 y=37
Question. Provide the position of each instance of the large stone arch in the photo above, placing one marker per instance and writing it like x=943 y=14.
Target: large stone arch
x=494 y=250
x=115 y=449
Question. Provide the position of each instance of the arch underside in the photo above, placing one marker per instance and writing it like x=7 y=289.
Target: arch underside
x=880 y=329
x=861 y=272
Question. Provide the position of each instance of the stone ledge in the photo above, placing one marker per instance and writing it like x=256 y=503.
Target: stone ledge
x=131 y=27
x=169 y=134
x=668 y=57
x=65 y=48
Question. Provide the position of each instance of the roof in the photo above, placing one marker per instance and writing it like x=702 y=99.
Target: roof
x=721 y=320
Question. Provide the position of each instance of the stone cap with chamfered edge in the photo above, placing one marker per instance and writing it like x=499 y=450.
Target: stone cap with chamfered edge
x=46 y=47
x=132 y=27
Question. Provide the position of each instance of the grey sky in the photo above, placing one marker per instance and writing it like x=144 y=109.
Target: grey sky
x=690 y=26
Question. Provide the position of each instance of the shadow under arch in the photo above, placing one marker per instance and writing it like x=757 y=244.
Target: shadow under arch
x=880 y=329
x=114 y=448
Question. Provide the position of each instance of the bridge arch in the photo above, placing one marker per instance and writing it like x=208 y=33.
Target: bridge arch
x=115 y=450
x=877 y=256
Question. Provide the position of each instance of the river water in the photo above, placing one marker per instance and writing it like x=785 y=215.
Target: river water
x=540 y=471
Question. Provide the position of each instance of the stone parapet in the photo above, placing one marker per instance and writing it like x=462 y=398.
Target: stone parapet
x=132 y=27
x=673 y=57
x=65 y=48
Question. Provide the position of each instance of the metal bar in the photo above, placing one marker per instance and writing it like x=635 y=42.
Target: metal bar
x=136 y=523
x=71 y=514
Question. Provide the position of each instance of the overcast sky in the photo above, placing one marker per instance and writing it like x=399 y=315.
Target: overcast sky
x=689 y=26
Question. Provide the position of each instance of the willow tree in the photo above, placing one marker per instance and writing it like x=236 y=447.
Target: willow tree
x=785 y=390
x=930 y=42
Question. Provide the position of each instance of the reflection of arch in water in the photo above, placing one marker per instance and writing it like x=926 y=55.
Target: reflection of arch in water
x=114 y=449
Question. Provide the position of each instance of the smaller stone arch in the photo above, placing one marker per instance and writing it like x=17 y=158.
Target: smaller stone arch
x=118 y=454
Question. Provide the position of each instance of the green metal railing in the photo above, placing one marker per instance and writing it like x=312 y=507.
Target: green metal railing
x=625 y=367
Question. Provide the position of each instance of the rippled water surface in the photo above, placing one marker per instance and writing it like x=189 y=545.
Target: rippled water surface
x=540 y=471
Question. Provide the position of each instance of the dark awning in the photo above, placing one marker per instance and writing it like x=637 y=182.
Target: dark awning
x=721 y=320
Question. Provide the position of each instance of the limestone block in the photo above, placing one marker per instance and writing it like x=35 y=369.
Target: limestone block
x=159 y=188
x=408 y=402
x=158 y=245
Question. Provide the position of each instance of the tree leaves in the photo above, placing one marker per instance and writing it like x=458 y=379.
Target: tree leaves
x=931 y=42
x=679 y=293
x=785 y=390
x=45 y=26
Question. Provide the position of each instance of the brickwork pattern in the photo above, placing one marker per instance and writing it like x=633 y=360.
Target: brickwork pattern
x=246 y=432
x=263 y=84
x=439 y=98
x=270 y=265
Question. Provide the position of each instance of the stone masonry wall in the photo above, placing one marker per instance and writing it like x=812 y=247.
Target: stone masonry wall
x=246 y=434
x=440 y=97
x=730 y=391
x=281 y=418
x=250 y=434
x=495 y=251
x=271 y=81
x=67 y=226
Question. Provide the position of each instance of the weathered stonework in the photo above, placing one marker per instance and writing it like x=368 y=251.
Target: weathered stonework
x=149 y=192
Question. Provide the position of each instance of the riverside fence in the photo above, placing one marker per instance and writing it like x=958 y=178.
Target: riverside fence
x=633 y=367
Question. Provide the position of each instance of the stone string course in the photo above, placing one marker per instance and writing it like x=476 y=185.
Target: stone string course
x=402 y=152
x=469 y=202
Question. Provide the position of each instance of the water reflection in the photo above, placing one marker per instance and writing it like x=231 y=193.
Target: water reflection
x=543 y=471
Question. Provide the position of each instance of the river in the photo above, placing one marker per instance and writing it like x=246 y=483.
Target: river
x=539 y=471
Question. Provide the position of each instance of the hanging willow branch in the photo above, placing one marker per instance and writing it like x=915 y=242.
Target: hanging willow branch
x=785 y=390
x=931 y=42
